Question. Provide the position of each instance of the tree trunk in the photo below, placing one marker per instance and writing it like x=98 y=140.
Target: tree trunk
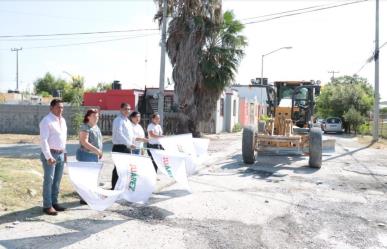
x=194 y=99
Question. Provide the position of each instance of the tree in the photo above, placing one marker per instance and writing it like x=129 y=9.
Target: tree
x=46 y=84
x=204 y=48
x=354 y=119
x=101 y=87
x=70 y=91
x=73 y=95
x=77 y=82
x=49 y=84
x=342 y=94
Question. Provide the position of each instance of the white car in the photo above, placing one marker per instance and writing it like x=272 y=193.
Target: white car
x=333 y=125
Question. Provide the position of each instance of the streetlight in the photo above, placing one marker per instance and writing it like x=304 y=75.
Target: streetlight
x=278 y=49
x=69 y=74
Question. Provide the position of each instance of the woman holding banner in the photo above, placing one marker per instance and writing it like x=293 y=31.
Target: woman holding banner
x=90 y=139
x=154 y=133
x=138 y=132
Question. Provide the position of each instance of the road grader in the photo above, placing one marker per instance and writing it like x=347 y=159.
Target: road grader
x=289 y=128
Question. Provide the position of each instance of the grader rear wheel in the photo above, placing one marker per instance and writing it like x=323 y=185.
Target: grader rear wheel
x=248 y=145
x=315 y=147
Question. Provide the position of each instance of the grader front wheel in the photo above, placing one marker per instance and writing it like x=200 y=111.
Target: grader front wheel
x=248 y=145
x=315 y=147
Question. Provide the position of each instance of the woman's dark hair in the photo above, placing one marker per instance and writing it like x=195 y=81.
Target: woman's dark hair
x=87 y=115
x=134 y=114
x=154 y=115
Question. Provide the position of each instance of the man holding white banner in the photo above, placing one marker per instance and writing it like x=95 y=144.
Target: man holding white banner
x=123 y=136
x=136 y=182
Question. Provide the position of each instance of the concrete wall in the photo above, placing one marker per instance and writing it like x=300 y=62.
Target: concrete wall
x=253 y=94
x=219 y=121
x=231 y=110
x=250 y=111
x=24 y=119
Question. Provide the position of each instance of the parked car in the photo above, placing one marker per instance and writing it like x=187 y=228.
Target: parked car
x=320 y=123
x=333 y=125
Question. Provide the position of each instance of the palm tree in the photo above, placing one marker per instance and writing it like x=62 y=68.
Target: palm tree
x=205 y=49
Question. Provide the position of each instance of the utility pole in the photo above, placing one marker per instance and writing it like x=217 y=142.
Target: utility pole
x=375 y=132
x=333 y=72
x=17 y=66
x=160 y=106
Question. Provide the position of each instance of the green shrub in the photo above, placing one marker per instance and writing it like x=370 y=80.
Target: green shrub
x=237 y=128
x=365 y=129
x=264 y=118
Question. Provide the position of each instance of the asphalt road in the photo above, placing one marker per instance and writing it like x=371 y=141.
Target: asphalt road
x=278 y=202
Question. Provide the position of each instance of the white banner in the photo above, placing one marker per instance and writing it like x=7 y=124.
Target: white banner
x=194 y=148
x=84 y=177
x=137 y=177
x=201 y=146
x=172 y=166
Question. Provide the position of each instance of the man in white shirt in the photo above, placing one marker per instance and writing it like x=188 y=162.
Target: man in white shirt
x=122 y=137
x=53 y=136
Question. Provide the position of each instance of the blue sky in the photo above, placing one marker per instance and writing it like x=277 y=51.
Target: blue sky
x=339 y=39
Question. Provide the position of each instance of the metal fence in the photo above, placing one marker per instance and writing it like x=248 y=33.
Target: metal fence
x=382 y=126
x=172 y=121
x=105 y=123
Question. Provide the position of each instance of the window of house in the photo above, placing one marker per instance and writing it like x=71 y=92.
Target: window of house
x=234 y=108
x=222 y=107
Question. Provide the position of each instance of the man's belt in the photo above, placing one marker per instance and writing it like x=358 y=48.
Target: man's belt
x=56 y=151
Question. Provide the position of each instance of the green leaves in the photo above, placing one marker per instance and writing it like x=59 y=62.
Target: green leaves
x=71 y=92
x=223 y=53
x=349 y=97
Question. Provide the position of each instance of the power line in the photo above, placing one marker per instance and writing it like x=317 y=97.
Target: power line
x=62 y=38
x=284 y=12
x=80 y=33
x=370 y=59
x=304 y=12
x=149 y=29
x=85 y=43
x=333 y=72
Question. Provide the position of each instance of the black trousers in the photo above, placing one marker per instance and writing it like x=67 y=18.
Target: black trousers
x=154 y=146
x=118 y=148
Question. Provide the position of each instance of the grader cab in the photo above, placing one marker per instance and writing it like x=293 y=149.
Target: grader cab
x=289 y=130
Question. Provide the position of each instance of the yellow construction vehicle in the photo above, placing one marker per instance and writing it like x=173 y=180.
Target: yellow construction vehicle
x=289 y=130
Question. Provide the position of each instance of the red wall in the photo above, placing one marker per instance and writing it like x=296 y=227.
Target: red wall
x=110 y=100
x=243 y=112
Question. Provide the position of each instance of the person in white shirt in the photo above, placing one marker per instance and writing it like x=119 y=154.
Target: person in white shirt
x=138 y=131
x=53 y=136
x=122 y=137
x=154 y=133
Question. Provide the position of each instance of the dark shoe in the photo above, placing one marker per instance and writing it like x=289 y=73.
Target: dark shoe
x=82 y=202
x=50 y=211
x=58 y=208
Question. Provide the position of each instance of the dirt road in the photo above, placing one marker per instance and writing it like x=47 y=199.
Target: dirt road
x=276 y=203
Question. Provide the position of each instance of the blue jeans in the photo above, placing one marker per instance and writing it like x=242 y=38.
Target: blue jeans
x=136 y=151
x=52 y=177
x=85 y=156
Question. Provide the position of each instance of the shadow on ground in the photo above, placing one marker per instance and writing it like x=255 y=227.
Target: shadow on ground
x=79 y=229
x=269 y=166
